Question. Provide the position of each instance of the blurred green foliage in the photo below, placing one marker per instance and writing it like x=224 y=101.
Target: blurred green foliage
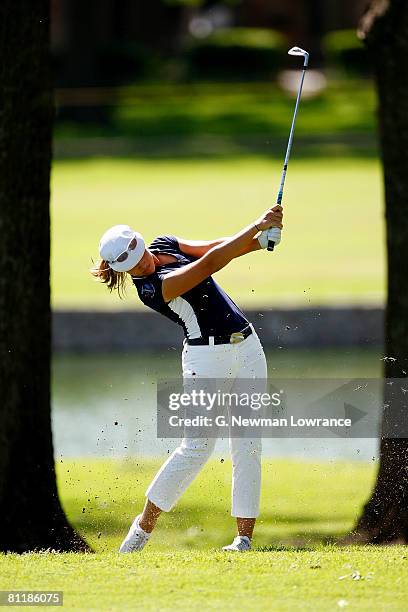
x=345 y=51
x=120 y=59
x=199 y=3
x=235 y=54
x=168 y=119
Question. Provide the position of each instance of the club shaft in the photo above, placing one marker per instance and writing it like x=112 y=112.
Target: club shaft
x=289 y=147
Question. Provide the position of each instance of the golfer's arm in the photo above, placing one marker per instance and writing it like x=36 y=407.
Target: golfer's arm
x=198 y=248
x=251 y=247
x=178 y=282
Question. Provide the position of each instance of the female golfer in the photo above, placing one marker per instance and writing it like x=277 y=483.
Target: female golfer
x=173 y=277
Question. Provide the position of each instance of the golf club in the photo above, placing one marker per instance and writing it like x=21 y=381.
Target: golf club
x=275 y=232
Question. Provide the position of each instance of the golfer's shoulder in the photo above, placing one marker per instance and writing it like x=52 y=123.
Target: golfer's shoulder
x=165 y=244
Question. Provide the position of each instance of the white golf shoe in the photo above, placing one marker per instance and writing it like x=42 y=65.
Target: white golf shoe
x=240 y=544
x=136 y=539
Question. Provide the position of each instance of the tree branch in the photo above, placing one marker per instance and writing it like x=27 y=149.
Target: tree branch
x=375 y=11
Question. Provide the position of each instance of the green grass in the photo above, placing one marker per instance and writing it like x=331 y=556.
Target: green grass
x=333 y=242
x=293 y=567
x=318 y=580
x=101 y=496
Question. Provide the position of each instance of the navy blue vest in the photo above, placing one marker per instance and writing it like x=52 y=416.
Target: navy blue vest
x=204 y=310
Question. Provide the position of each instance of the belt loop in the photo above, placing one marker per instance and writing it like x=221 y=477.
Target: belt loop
x=211 y=340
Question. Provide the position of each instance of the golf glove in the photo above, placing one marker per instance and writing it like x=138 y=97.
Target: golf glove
x=273 y=233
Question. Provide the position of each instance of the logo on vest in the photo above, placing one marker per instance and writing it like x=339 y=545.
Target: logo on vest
x=148 y=290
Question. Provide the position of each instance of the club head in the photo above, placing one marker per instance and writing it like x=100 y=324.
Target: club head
x=301 y=52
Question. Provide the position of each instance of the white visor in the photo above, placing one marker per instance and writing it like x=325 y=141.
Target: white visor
x=115 y=243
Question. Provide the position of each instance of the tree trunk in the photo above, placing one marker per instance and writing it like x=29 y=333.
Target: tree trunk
x=31 y=517
x=384 y=28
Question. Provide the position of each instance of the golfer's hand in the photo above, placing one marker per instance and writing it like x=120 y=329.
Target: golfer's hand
x=271 y=218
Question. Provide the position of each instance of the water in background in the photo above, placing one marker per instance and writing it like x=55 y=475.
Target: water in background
x=105 y=405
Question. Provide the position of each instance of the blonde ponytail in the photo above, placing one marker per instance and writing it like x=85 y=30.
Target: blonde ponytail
x=114 y=280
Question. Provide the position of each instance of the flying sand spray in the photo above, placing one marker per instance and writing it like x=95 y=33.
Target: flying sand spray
x=275 y=232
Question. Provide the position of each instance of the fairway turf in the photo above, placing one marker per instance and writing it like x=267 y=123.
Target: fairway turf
x=103 y=496
x=295 y=564
x=332 y=250
x=323 y=579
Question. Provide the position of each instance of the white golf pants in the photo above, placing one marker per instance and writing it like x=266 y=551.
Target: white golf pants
x=244 y=360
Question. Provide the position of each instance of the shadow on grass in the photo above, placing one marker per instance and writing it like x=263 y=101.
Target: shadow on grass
x=301 y=542
x=204 y=517
x=212 y=146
